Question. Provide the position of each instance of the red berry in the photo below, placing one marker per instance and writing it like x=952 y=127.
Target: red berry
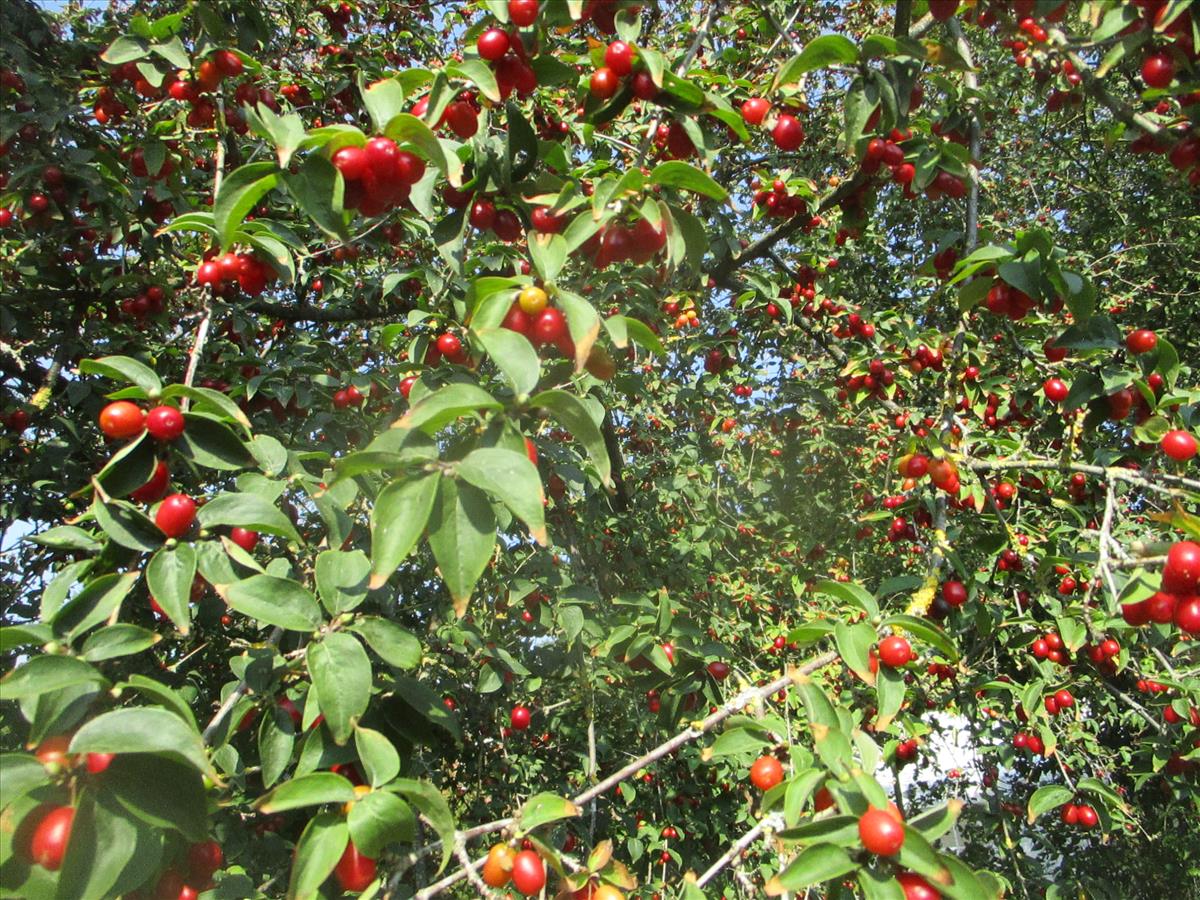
x=354 y=872
x=1187 y=615
x=942 y=10
x=492 y=44
x=881 y=832
x=604 y=83
x=528 y=873
x=165 y=423
x=619 y=58
x=48 y=845
x=915 y=887
x=523 y=12
x=244 y=538
x=351 y=162
x=549 y=327
x=1141 y=341
x=122 y=420
x=755 y=110
x=766 y=772
x=1181 y=574
x=520 y=717
x=1158 y=70
x=1179 y=445
x=175 y=515
x=1055 y=389
x=954 y=593
x=788 y=133
x=895 y=651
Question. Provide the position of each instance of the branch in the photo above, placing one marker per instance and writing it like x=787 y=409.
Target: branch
x=1095 y=86
x=767 y=823
x=1111 y=473
x=694 y=731
x=308 y=314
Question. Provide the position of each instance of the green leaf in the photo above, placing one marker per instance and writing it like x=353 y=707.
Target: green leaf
x=122 y=639
x=378 y=819
x=687 y=177
x=102 y=837
x=513 y=355
x=583 y=322
x=275 y=601
x=738 y=742
x=1048 y=797
x=480 y=74
x=211 y=443
x=44 y=674
x=122 y=368
x=341 y=676
x=143 y=730
x=314 y=789
x=124 y=49
x=936 y=822
x=817 y=54
x=397 y=521
x=127 y=525
x=512 y=478
x=66 y=537
x=98 y=600
x=926 y=631
x=622 y=328
x=432 y=805
x=129 y=468
x=240 y=190
x=542 y=808
x=817 y=864
x=569 y=411
x=169 y=577
x=889 y=688
x=20 y=773
x=462 y=535
x=409 y=129
x=394 y=645
x=276 y=740
x=342 y=578
x=250 y=511
x=854 y=644
x=549 y=254
x=445 y=405
x=879 y=885
x=318 y=189
x=850 y=593
x=317 y=853
x=384 y=100
x=380 y=760
x=136 y=780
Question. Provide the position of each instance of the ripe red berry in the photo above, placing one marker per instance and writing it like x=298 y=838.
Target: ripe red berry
x=943 y=9
x=1158 y=70
x=881 y=832
x=788 y=133
x=1179 y=445
x=165 y=423
x=122 y=420
x=1055 y=389
x=520 y=717
x=1181 y=574
x=915 y=887
x=98 y=762
x=483 y=215
x=244 y=538
x=766 y=772
x=203 y=859
x=354 y=872
x=619 y=57
x=549 y=327
x=604 y=83
x=492 y=44
x=1141 y=341
x=175 y=515
x=351 y=162
x=755 y=110
x=50 y=837
x=450 y=346
x=954 y=593
x=895 y=651
x=528 y=873
x=1187 y=615
x=523 y=12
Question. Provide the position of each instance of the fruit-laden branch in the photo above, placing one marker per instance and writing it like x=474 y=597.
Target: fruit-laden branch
x=1095 y=86
x=1154 y=482
x=309 y=314
x=767 y=823
x=694 y=731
